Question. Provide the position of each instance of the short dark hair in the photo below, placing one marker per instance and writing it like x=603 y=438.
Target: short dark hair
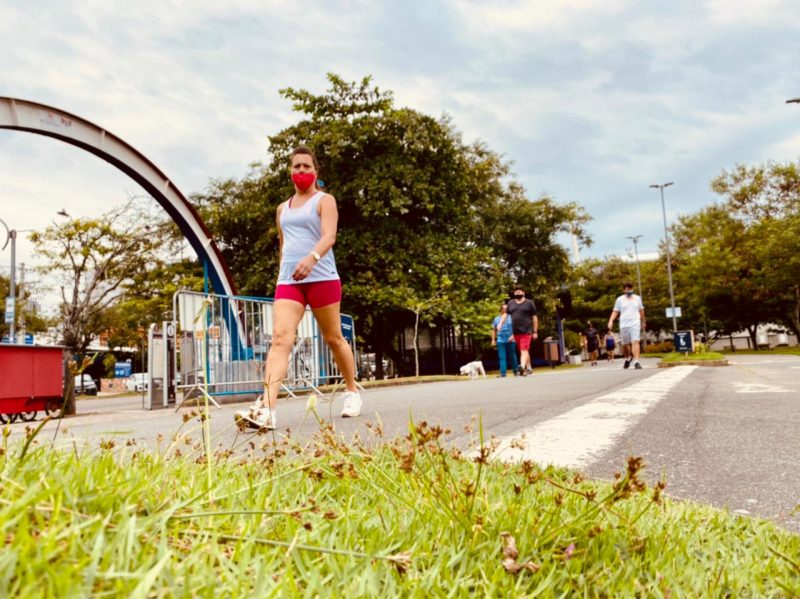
x=627 y=285
x=519 y=288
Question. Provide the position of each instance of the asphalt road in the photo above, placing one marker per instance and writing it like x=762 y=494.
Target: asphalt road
x=724 y=436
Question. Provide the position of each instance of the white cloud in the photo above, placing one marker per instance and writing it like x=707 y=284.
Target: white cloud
x=746 y=12
x=483 y=18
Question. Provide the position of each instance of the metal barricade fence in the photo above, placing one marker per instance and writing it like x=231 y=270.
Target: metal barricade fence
x=225 y=340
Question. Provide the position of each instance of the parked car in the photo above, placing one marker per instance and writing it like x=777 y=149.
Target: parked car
x=85 y=385
x=137 y=382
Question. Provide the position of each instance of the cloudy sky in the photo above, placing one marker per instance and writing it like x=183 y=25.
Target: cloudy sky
x=592 y=100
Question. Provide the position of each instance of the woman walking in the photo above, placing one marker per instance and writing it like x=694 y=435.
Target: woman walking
x=503 y=338
x=307 y=224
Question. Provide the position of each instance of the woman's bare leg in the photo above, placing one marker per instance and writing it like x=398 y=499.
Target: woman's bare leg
x=286 y=316
x=330 y=324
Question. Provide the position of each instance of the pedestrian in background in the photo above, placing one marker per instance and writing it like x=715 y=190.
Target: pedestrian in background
x=503 y=338
x=525 y=325
x=591 y=338
x=630 y=310
x=611 y=345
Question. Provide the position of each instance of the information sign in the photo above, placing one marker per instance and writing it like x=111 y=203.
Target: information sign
x=684 y=341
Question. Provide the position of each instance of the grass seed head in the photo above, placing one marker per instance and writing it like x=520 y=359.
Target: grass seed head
x=401 y=561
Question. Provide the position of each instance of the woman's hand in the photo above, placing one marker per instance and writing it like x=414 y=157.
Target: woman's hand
x=303 y=268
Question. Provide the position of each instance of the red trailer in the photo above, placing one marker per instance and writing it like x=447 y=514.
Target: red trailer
x=31 y=379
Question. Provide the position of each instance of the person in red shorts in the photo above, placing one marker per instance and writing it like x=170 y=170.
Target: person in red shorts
x=525 y=326
x=307 y=224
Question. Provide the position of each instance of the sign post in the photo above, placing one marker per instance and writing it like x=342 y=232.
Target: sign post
x=674 y=313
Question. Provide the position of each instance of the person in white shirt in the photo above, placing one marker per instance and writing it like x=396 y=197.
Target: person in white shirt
x=630 y=310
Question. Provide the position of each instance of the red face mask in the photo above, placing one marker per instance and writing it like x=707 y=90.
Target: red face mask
x=303 y=180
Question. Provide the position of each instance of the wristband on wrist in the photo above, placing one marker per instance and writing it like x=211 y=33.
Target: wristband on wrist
x=316 y=256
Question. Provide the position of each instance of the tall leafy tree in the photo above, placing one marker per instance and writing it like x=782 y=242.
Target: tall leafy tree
x=776 y=244
x=761 y=193
x=94 y=258
x=737 y=261
x=714 y=270
x=766 y=199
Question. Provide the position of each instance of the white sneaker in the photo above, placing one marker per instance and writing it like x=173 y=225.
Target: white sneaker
x=257 y=417
x=245 y=414
x=352 y=404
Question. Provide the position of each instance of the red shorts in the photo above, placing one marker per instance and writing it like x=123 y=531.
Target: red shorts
x=317 y=294
x=523 y=340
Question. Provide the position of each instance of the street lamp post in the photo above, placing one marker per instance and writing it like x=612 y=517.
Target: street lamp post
x=669 y=255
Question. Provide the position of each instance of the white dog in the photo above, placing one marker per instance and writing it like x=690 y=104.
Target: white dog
x=473 y=369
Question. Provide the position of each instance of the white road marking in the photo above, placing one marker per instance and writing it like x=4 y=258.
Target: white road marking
x=758 y=362
x=579 y=436
x=759 y=388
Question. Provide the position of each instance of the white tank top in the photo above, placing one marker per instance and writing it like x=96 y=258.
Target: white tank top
x=302 y=230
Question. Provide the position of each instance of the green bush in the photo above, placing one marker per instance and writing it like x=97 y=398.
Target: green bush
x=658 y=348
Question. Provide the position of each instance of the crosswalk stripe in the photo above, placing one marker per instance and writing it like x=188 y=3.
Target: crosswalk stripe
x=759 y=388
x=577 y=437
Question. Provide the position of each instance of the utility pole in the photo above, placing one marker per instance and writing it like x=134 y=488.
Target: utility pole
x=22 y=301
x=11 y=235
x=635 y=239
x=669 y=255
x=12 y=287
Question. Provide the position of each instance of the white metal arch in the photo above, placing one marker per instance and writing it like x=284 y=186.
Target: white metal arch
x=23 y=115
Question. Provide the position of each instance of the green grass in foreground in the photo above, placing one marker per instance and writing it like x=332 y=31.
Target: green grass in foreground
x=702 y=356
x=407 y=517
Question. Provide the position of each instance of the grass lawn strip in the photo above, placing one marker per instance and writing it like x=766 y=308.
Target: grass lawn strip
x=786 y=351
x=408 y=516
x=692 y=357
